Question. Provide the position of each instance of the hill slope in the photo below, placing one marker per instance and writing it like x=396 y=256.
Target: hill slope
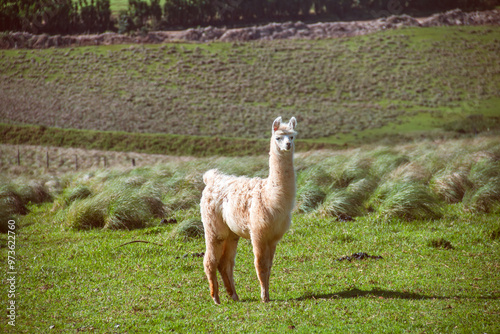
x=412 y=79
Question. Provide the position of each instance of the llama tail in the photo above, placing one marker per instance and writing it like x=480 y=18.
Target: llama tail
x=209 y=176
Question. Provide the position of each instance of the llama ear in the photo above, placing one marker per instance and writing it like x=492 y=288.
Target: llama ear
x=276 y=124
x=292 y=123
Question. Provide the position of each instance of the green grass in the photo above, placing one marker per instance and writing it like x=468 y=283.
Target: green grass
x=82 y=281
x=396 y=84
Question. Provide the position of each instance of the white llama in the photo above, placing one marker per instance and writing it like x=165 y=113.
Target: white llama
x=256 y=209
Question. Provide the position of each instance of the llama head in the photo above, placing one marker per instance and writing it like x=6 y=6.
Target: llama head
x=284 y=134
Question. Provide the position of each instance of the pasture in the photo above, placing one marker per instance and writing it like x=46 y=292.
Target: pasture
x=440 y=247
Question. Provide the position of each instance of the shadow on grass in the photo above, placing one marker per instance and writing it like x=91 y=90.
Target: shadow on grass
x=386 y=294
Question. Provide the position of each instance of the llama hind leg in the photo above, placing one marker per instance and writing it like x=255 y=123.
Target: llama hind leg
x=264 y=254
x=226 y=265
x=211 y=260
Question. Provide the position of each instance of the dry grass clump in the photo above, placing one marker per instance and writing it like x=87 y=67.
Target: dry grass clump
x=342 y=202
x=79 y=192
x=309 y=197
x=409 y=200
x=391 y=182
x=451 y=186
x=11 y=202
x=15 y=197
x=135 y=211
x=86 y=214
x=189 y=228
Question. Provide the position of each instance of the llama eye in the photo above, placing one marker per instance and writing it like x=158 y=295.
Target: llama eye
x=291 y=138
x=279 y=138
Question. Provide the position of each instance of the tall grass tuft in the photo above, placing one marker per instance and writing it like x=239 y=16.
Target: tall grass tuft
x=33 y=192
x=348 y=201
x=354 y=168
x=452 y=186
x=309 y=197
x=131 y=212
x=315 y=174
x=189 y=228
x=79 y=192
x=11 y=202
x=485 y=194
x=408 y=200
x=486 y=198
x=86 y=214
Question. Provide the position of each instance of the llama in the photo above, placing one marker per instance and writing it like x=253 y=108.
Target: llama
x=256 y=209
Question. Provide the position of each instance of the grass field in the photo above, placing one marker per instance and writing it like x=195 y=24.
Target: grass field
x=410 y=81
x=430 y=209
x=82 y=281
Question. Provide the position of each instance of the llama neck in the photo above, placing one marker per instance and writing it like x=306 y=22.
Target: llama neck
x=281 y=181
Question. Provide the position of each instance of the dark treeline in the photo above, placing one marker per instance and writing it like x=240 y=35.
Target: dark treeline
x=93 y=16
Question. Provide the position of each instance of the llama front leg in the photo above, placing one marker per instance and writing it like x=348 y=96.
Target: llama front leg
x=264 y=253
x=226 y=265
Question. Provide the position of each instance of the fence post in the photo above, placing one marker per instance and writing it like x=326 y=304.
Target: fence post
x=47 y=159
x=133 y=162
x=18 y=157
x=76 y=162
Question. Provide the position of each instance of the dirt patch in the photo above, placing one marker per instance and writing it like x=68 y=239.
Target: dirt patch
x=271 y=31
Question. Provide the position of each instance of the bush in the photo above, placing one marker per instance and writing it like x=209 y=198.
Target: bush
x=56 y=16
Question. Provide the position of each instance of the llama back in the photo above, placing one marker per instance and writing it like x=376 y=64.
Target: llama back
x=230 y=198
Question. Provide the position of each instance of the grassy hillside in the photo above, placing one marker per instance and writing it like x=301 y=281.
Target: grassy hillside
x=198 y=146
x=355 y=89
x=429 y=209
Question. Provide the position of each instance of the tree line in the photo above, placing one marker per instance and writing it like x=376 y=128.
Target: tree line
x=95 y=16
